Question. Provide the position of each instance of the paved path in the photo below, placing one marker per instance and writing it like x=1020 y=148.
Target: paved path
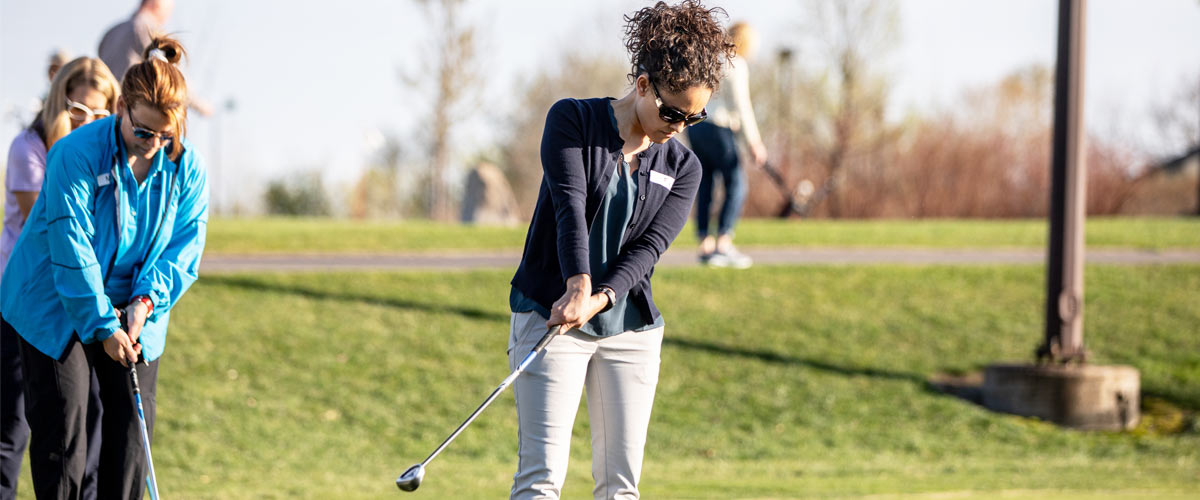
x=684 y=257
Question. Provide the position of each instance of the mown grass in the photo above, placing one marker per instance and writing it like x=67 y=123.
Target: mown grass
x=777 y=382
x=301 y=235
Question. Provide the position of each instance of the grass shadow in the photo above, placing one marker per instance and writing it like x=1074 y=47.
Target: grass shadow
x=774 y=357
x=412 y=305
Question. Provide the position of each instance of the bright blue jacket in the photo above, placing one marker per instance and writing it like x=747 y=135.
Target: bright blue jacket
x=54 y=285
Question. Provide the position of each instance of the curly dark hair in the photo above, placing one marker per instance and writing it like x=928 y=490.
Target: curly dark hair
x=678 y=46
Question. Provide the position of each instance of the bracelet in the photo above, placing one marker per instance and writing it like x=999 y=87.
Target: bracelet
x=145 y=300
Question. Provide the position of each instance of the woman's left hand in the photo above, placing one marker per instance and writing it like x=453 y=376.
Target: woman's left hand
x=121 y=349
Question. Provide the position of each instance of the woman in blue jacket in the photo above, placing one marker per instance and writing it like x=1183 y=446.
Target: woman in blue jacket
x=118 y=230
x=617 y=189
x=81 y=91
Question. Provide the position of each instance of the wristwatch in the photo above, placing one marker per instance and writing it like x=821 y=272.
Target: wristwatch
x=612 y=296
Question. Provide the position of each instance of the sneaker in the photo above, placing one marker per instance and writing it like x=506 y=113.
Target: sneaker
x=733 y=258
x=715 y=259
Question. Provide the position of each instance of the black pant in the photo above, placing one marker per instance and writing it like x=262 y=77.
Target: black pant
x=56 y=406
x=14 y=432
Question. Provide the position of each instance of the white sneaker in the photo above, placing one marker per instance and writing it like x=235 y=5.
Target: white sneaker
x=733 y=258
x=714 y=259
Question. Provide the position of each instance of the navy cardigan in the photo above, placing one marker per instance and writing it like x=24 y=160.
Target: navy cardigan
x=580 y=150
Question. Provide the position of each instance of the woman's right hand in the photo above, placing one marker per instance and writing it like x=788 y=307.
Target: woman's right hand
x=121 y=349
x=577 y=305
x=758 y=153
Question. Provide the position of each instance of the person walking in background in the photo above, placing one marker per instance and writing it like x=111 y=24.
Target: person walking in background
x=81 y=91
x=123 y=44
x=110 y=246
x=715 y=142
x=57 y=60
x=616 y=190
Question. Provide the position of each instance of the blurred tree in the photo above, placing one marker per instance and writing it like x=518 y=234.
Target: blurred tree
x=378 y=192
x=455 y=80
x=988 y=155
x=1178 y=120
x=297 y=195
x=851 y=40
x=578 y=75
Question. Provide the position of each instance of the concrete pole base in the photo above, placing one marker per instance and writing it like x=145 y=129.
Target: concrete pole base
x=1086 y=397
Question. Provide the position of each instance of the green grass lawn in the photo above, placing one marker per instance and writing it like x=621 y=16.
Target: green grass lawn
x=286 y=235
x=777 y=382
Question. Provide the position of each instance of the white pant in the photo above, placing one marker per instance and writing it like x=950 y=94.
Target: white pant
x=620 y=373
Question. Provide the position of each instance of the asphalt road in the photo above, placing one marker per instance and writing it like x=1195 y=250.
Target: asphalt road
x=222 y=263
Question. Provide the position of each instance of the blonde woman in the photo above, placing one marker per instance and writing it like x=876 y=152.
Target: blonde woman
x=715 y=142
x=111 y=245
x=81 y=91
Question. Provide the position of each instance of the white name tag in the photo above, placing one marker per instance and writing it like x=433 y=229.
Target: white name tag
x=103 y=179
x=662 y=179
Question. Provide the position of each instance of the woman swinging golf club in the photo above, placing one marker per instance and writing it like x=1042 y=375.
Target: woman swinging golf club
x=616 y=191
x=117 y=231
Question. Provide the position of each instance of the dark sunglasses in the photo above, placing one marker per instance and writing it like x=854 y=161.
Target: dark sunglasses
x=143 y=132
x=671 y=114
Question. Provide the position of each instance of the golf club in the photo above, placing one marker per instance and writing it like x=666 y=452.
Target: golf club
x=791 y=205
x=151 y=480
x=411 y=479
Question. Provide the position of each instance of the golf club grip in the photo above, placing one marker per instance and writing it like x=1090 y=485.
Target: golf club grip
x=557 y=330
x=774 y=174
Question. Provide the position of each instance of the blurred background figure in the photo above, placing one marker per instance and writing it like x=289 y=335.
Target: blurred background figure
x=488 y=199
x=81 y=91
x=123 y=44
x=715 y=141
x=57 y=60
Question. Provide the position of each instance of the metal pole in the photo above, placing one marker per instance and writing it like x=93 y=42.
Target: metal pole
x=1064 y=278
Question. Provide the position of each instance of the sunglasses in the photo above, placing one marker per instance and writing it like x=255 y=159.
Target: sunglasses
x=145 y=133
x=81 y=113
x=671 y=114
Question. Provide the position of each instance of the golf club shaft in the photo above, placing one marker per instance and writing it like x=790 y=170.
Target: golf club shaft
x=151 y=481
x=507 y=380
x=774 y=175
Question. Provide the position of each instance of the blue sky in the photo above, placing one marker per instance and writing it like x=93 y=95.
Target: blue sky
x=312 y=80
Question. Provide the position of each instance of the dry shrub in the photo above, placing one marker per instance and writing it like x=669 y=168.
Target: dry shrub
x=988 y=157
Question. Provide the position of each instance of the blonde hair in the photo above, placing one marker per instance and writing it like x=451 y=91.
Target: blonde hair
x=56 y=121
x=158 y=83
x=745 y=39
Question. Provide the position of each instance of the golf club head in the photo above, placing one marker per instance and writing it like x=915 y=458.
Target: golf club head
x=411 y=479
